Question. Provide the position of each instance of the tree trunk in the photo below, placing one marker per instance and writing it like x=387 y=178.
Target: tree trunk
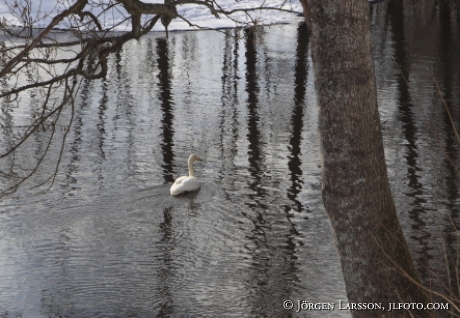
x=356 y=191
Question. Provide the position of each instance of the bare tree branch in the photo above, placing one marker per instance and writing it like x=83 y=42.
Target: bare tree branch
x=80 y=4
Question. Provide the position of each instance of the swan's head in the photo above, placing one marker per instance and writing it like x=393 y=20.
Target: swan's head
x=193 y=158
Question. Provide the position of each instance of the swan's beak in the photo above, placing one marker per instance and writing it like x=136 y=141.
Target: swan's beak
x=198 y=158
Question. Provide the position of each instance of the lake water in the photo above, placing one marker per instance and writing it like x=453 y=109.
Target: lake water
x=107 y=240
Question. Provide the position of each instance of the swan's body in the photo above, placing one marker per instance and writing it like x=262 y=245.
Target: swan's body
x=186 y=183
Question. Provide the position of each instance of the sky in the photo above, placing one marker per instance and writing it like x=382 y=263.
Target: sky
x=199 y=15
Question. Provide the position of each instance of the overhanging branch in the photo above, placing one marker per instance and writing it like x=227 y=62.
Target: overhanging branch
x=78 y=6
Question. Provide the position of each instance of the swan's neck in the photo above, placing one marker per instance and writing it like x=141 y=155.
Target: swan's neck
x=190 y=168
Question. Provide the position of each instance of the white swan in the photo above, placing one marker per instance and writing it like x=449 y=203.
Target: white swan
x=186 y=183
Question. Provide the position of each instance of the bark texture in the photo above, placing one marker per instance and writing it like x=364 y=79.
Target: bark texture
x=356 y=191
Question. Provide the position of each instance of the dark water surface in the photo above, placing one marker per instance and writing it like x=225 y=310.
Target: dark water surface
x=109 y=241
